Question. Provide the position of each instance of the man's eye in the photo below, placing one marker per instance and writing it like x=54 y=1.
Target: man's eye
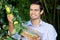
x=36 y=10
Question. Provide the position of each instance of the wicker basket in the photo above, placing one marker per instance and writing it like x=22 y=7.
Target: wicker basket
x=30 y=33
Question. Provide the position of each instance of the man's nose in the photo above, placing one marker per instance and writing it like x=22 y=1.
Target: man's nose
x=33 y=11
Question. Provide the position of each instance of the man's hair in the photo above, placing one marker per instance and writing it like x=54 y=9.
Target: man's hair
x=37 y=2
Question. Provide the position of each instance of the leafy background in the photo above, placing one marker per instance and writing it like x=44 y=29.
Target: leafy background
x=51 y=14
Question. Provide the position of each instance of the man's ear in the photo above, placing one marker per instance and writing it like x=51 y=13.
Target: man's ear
x=41 y=12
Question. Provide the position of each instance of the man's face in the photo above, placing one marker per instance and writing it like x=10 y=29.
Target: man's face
x=34 y=11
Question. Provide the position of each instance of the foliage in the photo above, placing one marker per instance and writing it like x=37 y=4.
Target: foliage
x=7 y=9
x=23 y=7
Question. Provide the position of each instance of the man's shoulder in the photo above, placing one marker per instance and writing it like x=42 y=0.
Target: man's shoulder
x=42 y=23
x=26 y=23
x=48 y=25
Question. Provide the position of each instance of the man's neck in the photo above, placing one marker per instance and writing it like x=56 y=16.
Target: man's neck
x=36 y=22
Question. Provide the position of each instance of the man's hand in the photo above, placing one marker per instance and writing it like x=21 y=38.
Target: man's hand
x=10 y=17
x=34 y=38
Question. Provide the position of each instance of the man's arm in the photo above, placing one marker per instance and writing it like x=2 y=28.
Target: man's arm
x=10 y=26
x=52 y=33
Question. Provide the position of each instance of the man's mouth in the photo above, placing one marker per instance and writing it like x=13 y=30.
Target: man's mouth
x=33 y=15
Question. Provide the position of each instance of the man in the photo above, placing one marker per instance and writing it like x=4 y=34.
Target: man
x=47 y=31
